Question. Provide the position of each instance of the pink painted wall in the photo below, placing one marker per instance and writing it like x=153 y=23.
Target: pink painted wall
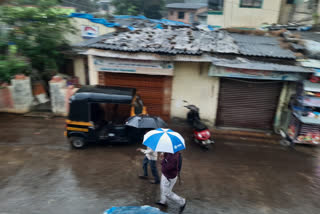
x=6 y=101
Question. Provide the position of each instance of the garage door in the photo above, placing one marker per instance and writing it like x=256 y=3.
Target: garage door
x=248 y=103
x=155 y=91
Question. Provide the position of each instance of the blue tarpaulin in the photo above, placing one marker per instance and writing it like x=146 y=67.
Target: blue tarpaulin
x=131 y=28
x=133 y=210
x=92 y=19
x=160 y=21
x=159 y=26
x=104 y=22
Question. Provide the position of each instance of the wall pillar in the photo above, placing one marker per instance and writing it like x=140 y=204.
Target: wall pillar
x=79 y=69
x=93 y=74
x=215 y=93
x=58 y=95
x=281 y=107
x=21 y=93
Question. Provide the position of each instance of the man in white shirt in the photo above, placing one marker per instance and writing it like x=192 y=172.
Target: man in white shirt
x=150 y=157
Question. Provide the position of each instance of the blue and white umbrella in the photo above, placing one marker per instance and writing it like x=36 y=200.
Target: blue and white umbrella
x=164 y=140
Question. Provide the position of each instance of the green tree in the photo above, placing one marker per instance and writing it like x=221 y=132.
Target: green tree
x=149 y=8
x=38 y=33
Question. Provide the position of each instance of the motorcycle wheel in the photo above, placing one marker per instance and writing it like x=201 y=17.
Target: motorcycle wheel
x=285 y=143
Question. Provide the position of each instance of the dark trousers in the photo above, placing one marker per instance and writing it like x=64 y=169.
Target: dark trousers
x=153 y=166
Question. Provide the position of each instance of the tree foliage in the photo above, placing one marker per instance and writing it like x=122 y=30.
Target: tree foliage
x=38 y=33
x=149 y=8
x=12 y=65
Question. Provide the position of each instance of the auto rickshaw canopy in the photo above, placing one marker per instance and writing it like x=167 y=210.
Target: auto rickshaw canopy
x=79 y=102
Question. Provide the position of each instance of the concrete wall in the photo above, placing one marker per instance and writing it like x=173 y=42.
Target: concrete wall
x=285 y=12
x=191 y=83
x=77 y=23
x=75 y=38
x=79 y=68
x=187 y=14
x=22 y=93
x=303 y=13
x=60 y=95
x=235 y=16
x=300 y=12
x=17 y=97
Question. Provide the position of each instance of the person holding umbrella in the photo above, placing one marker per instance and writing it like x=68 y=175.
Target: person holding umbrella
x=170 y=143
x=150 y=158
x=148 y=123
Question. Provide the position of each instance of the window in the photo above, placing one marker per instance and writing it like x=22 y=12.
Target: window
x=290 y=1
x=251 y=3
x=216 y=5
x=181 y=15
x=171 y=12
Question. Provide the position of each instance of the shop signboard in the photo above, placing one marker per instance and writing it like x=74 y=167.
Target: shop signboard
x=133 y=66
x=89 y=31
x=255 y=74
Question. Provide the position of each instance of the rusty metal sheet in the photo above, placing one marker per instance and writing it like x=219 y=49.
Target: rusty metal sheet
x=248 y=104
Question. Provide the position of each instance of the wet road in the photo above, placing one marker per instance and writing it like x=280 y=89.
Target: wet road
x=39 y=173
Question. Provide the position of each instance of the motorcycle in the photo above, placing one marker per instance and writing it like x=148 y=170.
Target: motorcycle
x=201 y=133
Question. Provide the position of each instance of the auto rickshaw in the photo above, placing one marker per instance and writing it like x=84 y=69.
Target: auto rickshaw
x=98 y=114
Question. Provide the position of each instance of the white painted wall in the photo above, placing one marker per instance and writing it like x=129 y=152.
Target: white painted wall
x=235 y=16
x=58 y=97
x=192 y=83
x=22 y=94
x=77 y=23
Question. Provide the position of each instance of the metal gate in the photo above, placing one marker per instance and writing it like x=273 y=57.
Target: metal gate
x=154 y=90
x=249 y=104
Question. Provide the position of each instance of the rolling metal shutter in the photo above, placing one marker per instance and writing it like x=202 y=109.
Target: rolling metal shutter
x=248 y=104
x=154 y=90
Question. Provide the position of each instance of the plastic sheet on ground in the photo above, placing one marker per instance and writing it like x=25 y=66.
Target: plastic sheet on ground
x=134 y=210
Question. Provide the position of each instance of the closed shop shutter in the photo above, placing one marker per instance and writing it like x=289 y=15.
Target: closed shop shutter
x=248 y=104
x=155 y=91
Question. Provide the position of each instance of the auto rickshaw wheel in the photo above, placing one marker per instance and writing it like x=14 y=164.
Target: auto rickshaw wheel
x=77 y=142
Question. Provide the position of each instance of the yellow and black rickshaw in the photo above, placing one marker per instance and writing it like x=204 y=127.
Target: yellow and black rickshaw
x=98 y=114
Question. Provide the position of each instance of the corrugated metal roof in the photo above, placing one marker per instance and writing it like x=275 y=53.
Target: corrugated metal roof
x=186 y=5
x=243 y=38
x=167 y=41
x=261 y=46
x=297 y=47
x=310 y=63
x=315 y=36
x=188 y=41
x=241 y=63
